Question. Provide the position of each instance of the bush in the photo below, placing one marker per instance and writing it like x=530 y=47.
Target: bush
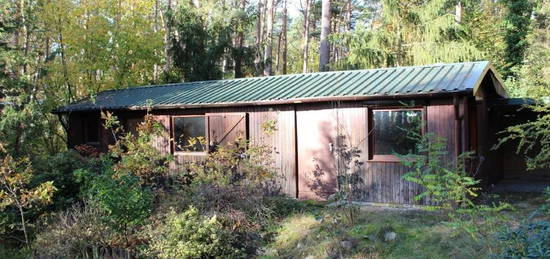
x=78 y=232
x=530 y=240
x=135 y=153
x=447 y=184
x=59 y=169
x=190 y=235
x=533 y=138
x=125 y=202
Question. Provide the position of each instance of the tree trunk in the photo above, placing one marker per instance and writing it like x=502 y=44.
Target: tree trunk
x=168 y=38
x=284 y=33
x=279 y=44
x=64 y=63
x=306 y=36
x=239 y=42
x=268 y=53
x=23 y=225
x=324 y=50
x=259 y=36
x=458 y=12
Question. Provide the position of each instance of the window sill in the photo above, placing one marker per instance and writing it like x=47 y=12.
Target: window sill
x=385 y=158
x=183 y=153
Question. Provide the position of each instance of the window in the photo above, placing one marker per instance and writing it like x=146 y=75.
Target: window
x=91 y=130
x=189 y=132
x=390 y=130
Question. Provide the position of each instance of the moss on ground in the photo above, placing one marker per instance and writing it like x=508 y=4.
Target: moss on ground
x=322 y=233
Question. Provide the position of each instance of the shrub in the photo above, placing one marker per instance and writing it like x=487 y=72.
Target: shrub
x=190 y=235
x=533 y=138
x=75 y=233
x=125 y=202
x=16 y=192
x=59 y=169
x=231 y=173
x=529 y=240
x=136 y=153
x=447 y=184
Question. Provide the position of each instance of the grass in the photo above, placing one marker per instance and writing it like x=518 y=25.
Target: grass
x=323 y=233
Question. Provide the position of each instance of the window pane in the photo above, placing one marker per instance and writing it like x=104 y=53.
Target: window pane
x=186 y=131
x=391 y=129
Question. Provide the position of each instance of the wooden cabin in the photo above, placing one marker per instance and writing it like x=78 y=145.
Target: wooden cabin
x=311 y=112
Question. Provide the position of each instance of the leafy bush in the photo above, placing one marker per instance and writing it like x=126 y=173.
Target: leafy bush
x=533 y=138
x=230 y=173
x=135 y=153
x=530 y=240
x=125 y=202
x=190 y=235
x=16 y=192
x=447 y=184
x=59 y=169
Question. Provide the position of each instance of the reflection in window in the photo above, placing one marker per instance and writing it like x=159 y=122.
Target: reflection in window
x=391 y=130
x=189 y=132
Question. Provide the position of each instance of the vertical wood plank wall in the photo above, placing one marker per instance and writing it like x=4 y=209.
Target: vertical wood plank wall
x=282 y=140
x=304 y=132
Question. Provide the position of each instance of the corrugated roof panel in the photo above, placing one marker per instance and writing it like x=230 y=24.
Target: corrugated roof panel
x=437 y=78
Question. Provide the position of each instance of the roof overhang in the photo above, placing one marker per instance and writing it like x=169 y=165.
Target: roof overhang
x=278 y=102
x=498 y=84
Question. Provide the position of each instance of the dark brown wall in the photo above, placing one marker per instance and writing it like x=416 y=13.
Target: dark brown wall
x=302 y=156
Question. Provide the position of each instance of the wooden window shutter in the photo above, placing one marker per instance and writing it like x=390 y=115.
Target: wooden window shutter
x=226 y=128
x=162 y=143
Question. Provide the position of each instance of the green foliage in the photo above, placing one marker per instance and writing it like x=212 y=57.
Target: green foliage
x=531 y=240
x=517 y=25
x=125 y=202
x=410 y=33
x=191 y=235
x=135 y=152
x=201 y=43
x=15 y=177
x=533 y=139
x=531 y=77
x=448 y=185
x=59 y=170
x=239 y=163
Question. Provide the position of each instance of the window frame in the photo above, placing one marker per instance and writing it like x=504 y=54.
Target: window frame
x=173 y=135
x=370 y=131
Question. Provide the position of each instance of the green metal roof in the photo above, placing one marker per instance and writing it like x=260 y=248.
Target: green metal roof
x=338 y=85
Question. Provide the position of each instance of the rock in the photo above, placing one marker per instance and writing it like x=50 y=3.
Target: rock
x=299 y=245
x=370 y=238
x=346 y=245
x=310 y=257
x=390 y=236
x=523 y=205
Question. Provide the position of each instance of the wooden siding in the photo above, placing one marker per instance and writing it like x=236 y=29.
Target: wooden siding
x=317 y=131
x=282 y=140
x=319 y=125
x=440 y=119
x=301 y=145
